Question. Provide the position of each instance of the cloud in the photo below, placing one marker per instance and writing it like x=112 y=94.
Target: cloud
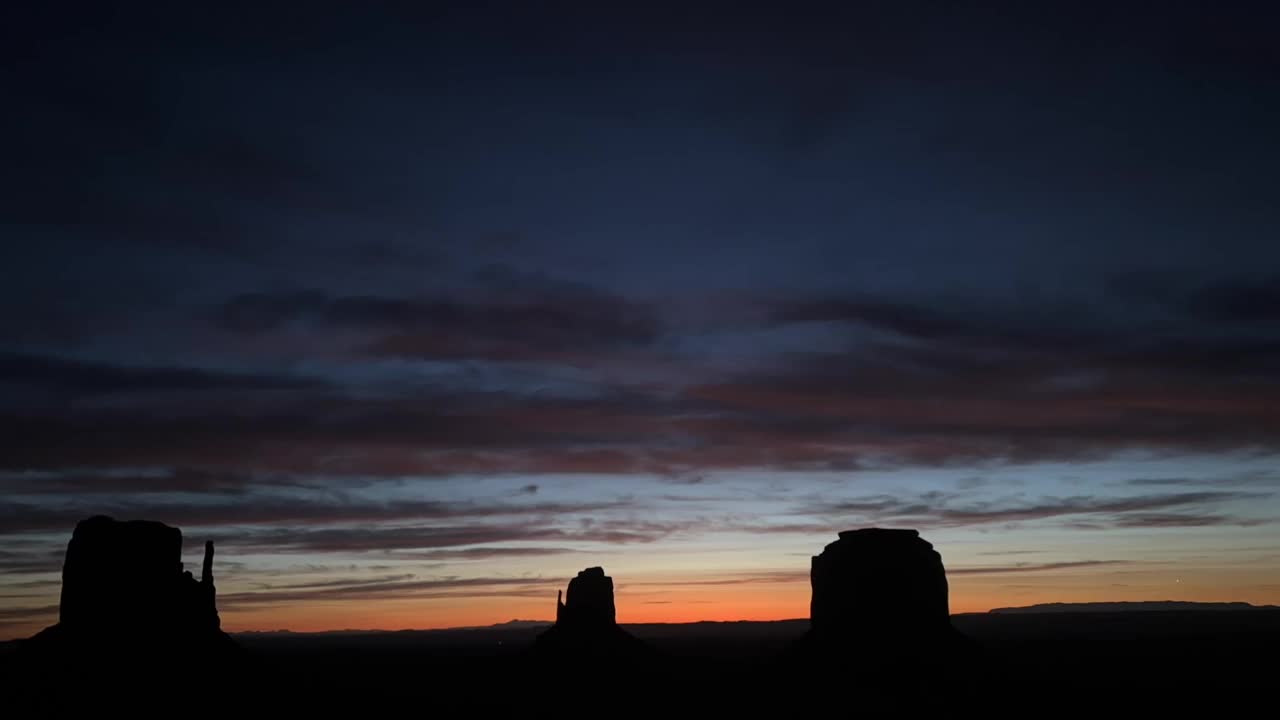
x=35 y=559
x=888 y=315
x=31 y=584
x=936 y=384
x=1242 y=479
x=344 y=583
x=144 y=481
x=1183 y=520
x=937 y=510
x=1165 y=481
x=18 y=517
x=489 y=553
x=963 y=325
x=384 y=539
x=86 y=377
x=751 y=578
x=1012 y=552
x=360 y=589
x=814 y=528
x=26 y=614
x=1032 y=567
x=1242 y=300
x=1249 y=301
x=409 y=433
x=952 y=404
x=549 y=320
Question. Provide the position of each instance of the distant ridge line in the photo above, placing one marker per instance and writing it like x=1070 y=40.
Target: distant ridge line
x=1130 y=606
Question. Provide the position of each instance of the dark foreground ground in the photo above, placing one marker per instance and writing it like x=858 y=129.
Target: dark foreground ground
x=1212 y=662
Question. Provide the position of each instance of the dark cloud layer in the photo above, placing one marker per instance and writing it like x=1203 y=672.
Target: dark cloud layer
x=937 y=510
x=385 y=539
x=394 y=589
x=925 y=404
x=604 y=298
x=525 y=324
x=1032 y=567
x=30 y=561
x=55 y=373
x=492 y=552
x=17 y=517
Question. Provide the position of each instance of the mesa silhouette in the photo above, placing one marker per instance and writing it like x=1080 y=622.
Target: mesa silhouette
x=123 y=587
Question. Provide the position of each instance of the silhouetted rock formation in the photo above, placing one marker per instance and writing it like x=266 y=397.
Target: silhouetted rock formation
x=586 y=623
x=129 y=575
x=880 y=594
x=123 y=586
x=590 y=601
x=874 y=581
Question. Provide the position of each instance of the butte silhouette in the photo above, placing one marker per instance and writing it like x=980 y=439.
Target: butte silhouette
x=586 y=624
x=880 y=610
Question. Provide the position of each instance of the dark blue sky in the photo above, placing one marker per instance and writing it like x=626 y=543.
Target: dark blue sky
x=496 y=286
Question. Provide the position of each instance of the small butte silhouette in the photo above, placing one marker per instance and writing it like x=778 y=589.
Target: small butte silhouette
x=586 y=624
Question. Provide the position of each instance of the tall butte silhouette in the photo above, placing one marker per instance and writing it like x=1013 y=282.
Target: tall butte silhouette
x=124 y=592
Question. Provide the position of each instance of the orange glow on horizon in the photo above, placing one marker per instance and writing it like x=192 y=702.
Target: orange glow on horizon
x=761 y=595
x=683 y=604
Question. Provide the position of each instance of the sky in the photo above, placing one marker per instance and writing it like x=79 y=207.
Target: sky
x=418 y=311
